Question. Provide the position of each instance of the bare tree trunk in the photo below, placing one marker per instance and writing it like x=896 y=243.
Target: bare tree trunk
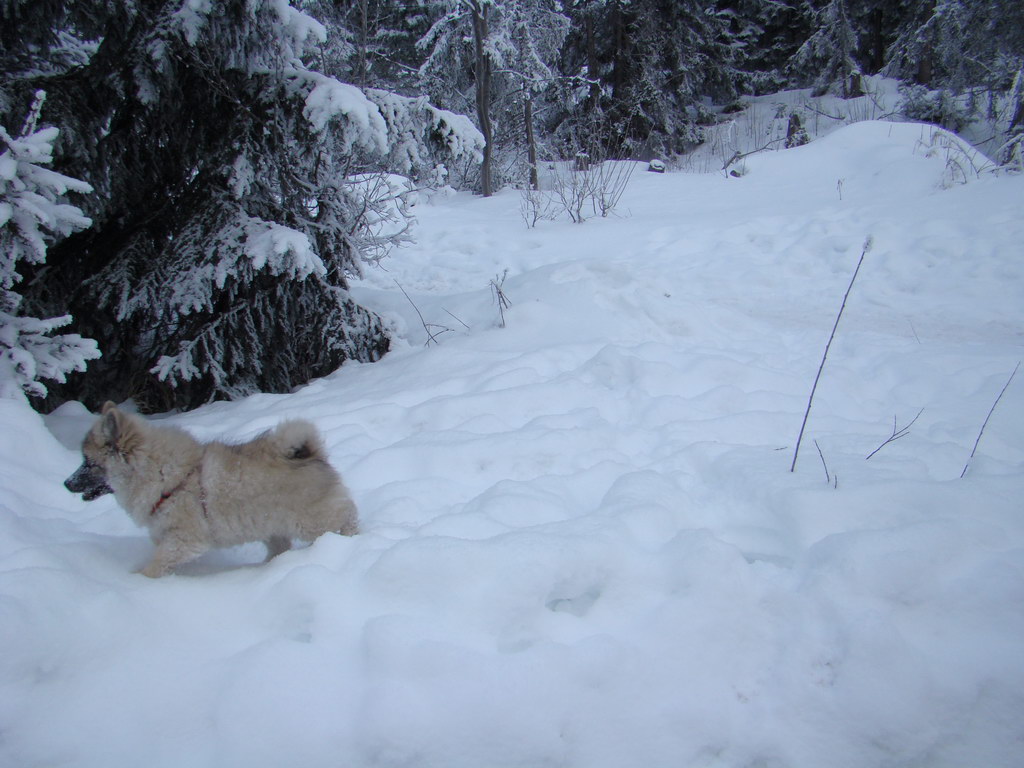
x=1017 y=121
x=876 y=31
x=924 y=64
x=594 y=97
x=924 y=67
x=363 y=35
x=531 y=144
x=483 y=91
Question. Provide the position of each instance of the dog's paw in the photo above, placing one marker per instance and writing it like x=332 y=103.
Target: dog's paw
x=152 y=571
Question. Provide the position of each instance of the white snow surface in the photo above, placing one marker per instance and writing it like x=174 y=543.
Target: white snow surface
x=582 y=545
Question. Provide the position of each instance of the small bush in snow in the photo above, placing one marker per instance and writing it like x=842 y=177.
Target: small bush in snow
x=963 y=163
x=536 y=205
x=939 y=107
x=608 y=183
x=580 y=190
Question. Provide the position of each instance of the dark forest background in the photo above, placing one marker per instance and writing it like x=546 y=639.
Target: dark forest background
x=219 y=170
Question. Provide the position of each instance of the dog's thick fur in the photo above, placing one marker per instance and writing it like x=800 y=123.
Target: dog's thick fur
x=198 y=496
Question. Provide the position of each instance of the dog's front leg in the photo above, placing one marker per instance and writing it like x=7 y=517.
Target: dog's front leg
x=276 y=545
x=172 y=551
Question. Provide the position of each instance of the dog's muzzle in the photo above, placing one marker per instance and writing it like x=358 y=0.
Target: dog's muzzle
x=89 y=480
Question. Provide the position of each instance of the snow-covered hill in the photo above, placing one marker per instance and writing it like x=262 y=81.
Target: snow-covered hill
x=582 y=544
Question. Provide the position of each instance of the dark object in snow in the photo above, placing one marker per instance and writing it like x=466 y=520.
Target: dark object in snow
x=796 y=134
x=656 y=166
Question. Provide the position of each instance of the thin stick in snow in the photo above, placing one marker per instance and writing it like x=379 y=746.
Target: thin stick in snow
x=457 y=318
x=828 y=478
x=990 y=412
x=810 y=400
x=737 y=155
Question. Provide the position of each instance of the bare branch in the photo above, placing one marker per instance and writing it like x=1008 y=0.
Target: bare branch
x=457 y=318
x=828 y=477
x=896 y=434
x=499 y=296
x=985 y=424
x=737 y=155
x=431 y=336
x=824 y=357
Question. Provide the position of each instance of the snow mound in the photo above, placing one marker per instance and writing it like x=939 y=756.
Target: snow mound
x=871 y=158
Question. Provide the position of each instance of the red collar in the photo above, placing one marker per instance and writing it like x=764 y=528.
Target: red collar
x=167 y=494
x=163 y=497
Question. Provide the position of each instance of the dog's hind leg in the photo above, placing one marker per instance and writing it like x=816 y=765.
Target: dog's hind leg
x=276 y=545
x=348 y=517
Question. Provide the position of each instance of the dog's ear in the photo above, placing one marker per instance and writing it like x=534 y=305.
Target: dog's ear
x=110 y=405
x=111 y=424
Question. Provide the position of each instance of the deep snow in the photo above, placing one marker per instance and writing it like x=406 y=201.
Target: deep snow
x=582 y=545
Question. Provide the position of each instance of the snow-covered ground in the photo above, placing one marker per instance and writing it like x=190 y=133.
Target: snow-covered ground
x=582 y=543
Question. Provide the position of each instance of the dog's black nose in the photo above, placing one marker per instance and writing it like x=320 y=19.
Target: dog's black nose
x=88 y=480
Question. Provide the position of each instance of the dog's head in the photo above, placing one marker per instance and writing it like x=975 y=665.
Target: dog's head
x=104 y=441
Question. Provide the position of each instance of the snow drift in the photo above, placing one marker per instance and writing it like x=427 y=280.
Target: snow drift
x=583 y=546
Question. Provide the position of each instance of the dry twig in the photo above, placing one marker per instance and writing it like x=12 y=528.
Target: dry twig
x=896 y=434
x=829 y=479
x=431 y=335
x=990 y=412
x=810 y=400
x=500 y=297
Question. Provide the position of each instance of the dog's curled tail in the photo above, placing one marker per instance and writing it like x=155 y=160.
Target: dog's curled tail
x=297 y=439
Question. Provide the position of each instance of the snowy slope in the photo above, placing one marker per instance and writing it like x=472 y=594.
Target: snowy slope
x=582 y=543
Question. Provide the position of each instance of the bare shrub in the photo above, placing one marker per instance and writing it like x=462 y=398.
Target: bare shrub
x=581 y=190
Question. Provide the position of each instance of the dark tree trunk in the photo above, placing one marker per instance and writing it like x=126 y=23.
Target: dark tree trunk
x=593 y=67
x=531 y=144
x=362 y=66
x=482 y=70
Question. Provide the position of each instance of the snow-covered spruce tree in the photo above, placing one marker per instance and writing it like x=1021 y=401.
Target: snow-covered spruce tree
x=348 y=49
x=370 y=43
x=492 y=57
x=960 y=60
x=458 y=49
x=1011 y=153
x=422 y=138
x=364 y=47
x=764 y=37
x=826 y=59
x=648 y=63
x=876 y=22
x=958 y=44
x=532 y=34
x=33 y=210
x=222 y=237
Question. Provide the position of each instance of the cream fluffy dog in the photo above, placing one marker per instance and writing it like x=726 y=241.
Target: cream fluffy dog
x=196 y=496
